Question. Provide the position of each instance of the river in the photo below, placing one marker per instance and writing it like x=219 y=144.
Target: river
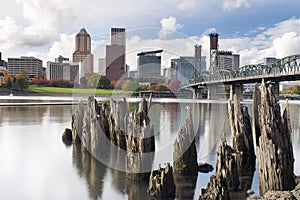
x=36 y=164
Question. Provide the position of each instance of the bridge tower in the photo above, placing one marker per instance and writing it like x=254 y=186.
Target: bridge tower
x=213 y=52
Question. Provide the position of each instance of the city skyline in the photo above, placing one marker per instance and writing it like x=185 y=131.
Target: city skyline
x=47 y=29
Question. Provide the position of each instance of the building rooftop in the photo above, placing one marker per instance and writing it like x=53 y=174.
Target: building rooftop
x=149 y=53
x=83 y=32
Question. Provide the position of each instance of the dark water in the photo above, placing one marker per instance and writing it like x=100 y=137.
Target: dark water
x=35 y=164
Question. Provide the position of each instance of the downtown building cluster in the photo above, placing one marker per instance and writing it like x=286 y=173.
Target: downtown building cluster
x=114 y=67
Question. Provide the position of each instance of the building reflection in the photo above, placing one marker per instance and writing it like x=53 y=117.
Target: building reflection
x=22 y=115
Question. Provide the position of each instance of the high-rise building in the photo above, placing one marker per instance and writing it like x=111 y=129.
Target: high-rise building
x=186 y=68
x=115 y=55
x=228 y=60
x=118 y=36
x=83 y=53
x=32 y=66
x=62 y=68
x=149 y=64
x=102 y=66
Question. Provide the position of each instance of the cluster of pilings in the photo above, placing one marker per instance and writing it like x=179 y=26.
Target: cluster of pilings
x=236 y=165
x=99 y=128
x=102 y=128
x=131 y=132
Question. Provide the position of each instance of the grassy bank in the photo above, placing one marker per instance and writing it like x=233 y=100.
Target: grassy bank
x=39 y=89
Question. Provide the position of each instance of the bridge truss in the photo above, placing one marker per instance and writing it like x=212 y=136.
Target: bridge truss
x=287 y=65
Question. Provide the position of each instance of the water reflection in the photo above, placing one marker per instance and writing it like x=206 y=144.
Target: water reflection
x=89 y=168
x=185 y=186
x=43 y=144
x=24 y=115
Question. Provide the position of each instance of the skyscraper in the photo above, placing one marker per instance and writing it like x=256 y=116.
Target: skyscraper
x=83 y=53
x=115 y=55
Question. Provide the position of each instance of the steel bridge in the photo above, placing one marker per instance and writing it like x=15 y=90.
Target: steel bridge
x=285 y=69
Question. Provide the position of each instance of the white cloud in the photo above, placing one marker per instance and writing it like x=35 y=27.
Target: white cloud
x=279 y=41
x=229 y=5
x=45 y=28
x=64 y=46
x=187 y=4
x=210 y=30
x=168 y=27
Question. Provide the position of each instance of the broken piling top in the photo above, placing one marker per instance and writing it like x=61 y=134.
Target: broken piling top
x=273 y=141
x=185 y=154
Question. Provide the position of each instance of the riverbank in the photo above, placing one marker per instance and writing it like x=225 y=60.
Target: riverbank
x=31 y=93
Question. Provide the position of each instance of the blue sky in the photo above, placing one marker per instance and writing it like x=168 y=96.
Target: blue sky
x=252 y=28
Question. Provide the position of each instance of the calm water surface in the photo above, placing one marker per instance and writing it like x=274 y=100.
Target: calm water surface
x=35 y=164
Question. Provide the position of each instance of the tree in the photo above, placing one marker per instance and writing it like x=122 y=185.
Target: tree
x=160 y=87
x=21 y=84
x=103 y=83
x=93 y=81
x=130 y=85
x=22 y=74
x=8 y=84
x=83 y=82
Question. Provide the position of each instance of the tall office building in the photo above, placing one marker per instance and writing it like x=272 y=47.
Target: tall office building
x=186 y=66
x=115 y=55
x=118 y=36
x=149 y=64
x=62 y=68
x=83 y=53
x=32 y=66
x=228 y=60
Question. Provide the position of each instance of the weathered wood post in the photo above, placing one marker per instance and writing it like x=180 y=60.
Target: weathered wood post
x=185 y=154
x=140 y=143
x=273 y=142
x=161 y=183
x=242 y=138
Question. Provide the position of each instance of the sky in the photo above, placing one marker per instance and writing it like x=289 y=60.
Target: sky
x=252 y=28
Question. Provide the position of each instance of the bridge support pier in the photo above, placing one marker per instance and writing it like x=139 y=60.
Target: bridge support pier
x=236 y=89
x=197 y=93
x=212 y=92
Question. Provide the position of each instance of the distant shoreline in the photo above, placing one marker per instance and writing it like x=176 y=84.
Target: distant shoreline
x=29 y=93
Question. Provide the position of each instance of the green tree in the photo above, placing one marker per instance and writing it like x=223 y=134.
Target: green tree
x=130 y=85
x=8 y=84
x=83 y=82
x=21 y=84
x=93 y=81
x=103 y=83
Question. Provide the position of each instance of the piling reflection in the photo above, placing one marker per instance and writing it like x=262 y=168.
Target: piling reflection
x=185 y=186
x=91 y=169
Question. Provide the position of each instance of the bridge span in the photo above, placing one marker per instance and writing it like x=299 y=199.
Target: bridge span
x=285 y=69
